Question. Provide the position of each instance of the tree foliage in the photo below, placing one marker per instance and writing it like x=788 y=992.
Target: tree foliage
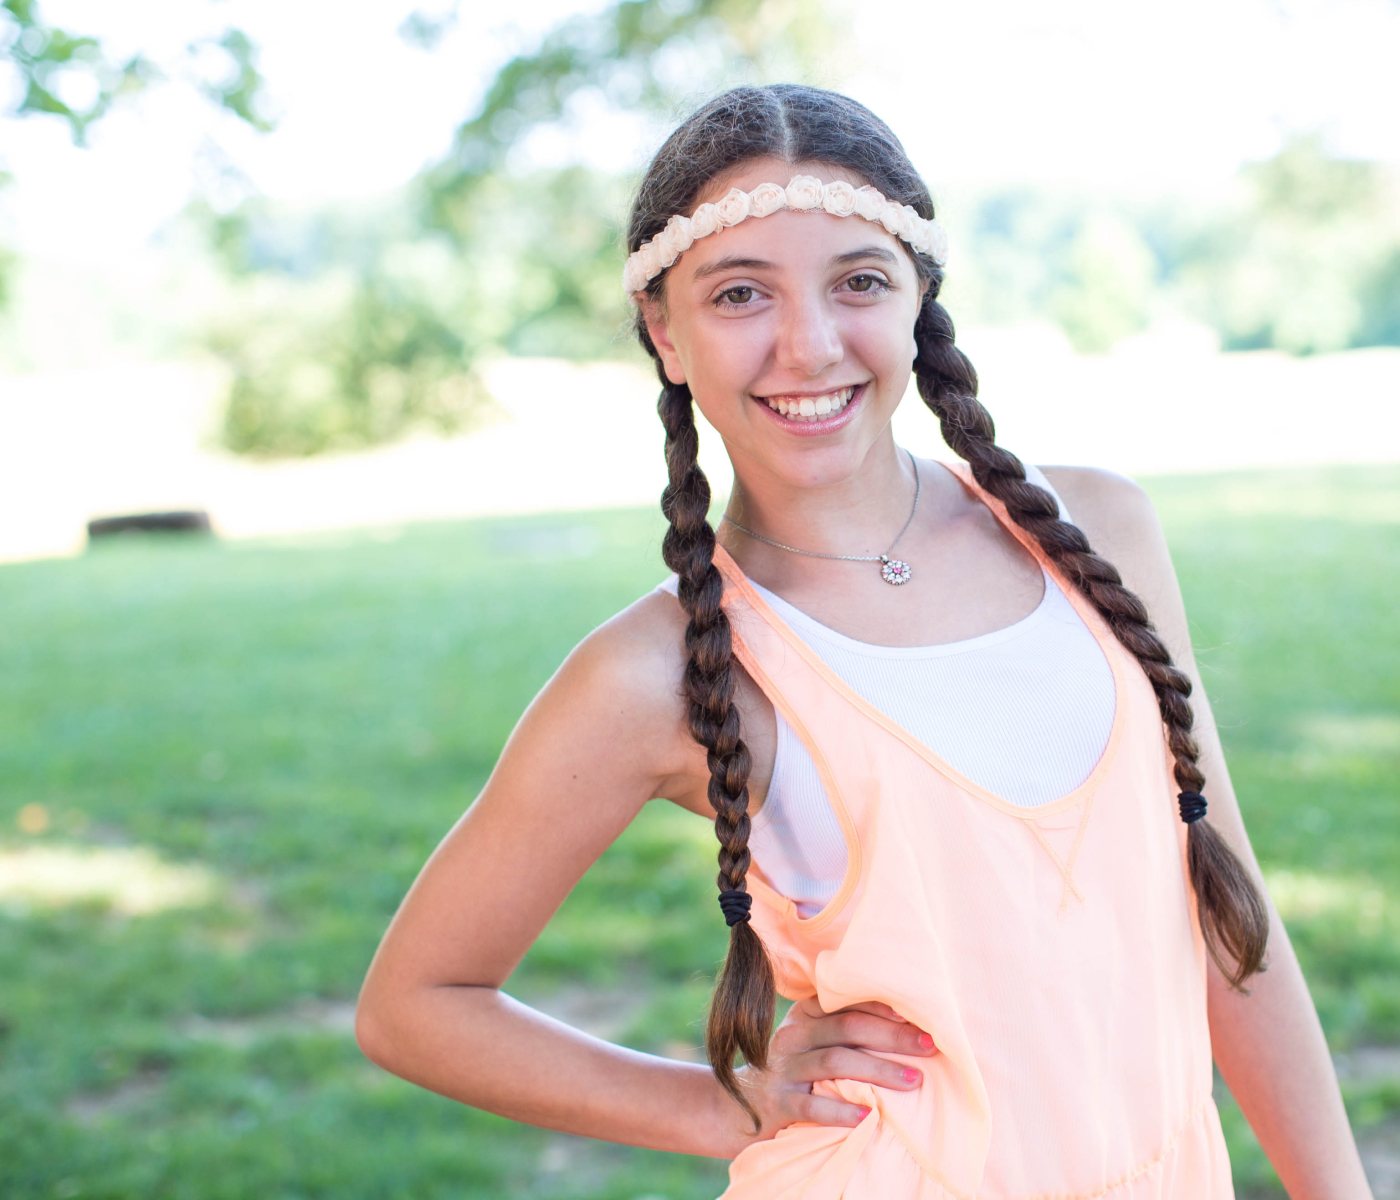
x=51 y=62
x=1308 y=258
x=72 y=77
x=343 y=329
x=636 y=56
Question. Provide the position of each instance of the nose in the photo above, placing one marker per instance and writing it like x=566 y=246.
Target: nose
x=809 y=339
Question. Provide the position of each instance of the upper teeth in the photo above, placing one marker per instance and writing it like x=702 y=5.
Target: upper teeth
x=810 y=408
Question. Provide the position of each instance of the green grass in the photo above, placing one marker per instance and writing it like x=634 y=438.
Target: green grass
x=287 y=728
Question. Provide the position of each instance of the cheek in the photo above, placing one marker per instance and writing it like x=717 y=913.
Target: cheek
x=730 y=356
x=889 y=348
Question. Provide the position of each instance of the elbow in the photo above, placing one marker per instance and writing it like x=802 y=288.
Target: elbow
x=372 y=1032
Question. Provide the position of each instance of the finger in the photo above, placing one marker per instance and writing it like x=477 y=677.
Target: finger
x=823 y=1110
x=878 y=1008
x=845 y=1062
x=808 y=1006
x=812 y=1008
x=912 y=1039
x=854 y=1027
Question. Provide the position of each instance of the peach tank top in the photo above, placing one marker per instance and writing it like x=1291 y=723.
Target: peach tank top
x=1053 y=952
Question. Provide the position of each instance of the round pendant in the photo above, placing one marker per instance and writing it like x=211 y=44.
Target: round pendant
x=892 y=570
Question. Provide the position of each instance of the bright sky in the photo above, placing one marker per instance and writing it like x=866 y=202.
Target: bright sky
x=1100 y=92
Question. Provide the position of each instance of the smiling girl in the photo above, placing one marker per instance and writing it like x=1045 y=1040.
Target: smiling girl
x=947 y=724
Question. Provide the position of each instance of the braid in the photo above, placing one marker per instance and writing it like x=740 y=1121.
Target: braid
x=1234 y=919
x=741 y=1012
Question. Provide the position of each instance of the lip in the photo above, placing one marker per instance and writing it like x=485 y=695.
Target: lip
x=815 y=428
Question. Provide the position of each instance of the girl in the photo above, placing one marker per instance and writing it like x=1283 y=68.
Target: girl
x=949 y=758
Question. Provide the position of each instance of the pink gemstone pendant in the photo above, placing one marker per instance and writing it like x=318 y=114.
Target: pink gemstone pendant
x=893 y=571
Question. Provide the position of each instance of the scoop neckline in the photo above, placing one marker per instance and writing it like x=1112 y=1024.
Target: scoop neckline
x=1097 y=626
x=929 y=650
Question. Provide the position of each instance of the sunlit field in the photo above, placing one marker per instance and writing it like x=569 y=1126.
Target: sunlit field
x=223 y=763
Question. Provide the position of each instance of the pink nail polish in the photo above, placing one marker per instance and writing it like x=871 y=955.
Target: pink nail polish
x=925 y=1042
x=911 y=1075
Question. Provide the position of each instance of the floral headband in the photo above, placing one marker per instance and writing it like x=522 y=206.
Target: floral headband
x=805 y=193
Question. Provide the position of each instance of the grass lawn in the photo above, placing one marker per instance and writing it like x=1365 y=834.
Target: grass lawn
x=222 y=765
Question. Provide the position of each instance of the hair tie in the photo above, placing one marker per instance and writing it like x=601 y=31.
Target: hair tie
x=1193 y=806
x=735 y=905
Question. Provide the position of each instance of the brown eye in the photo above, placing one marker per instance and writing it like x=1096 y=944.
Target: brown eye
x=864 y=283
x=736 y=295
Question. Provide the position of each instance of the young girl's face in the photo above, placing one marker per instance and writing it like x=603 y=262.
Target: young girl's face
x=797 y=311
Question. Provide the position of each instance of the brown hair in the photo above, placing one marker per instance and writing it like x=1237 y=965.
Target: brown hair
x=809 y=125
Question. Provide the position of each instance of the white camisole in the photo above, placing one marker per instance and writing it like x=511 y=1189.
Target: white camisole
x=1024 y=711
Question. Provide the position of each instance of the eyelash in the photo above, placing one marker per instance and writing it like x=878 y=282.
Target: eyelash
x=879 y=287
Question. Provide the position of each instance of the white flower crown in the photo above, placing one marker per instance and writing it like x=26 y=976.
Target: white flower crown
x=805 y=193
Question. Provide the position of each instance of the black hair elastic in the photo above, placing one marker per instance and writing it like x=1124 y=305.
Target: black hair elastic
x=735 y=905
x=1193 y=806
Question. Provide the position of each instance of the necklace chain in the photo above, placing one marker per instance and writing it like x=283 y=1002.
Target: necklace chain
x=893 y=570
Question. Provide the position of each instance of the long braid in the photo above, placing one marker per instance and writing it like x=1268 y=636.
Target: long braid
x=742 y=1009
x=1234 y=918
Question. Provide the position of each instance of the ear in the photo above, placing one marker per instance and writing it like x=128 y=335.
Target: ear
x=654 y=314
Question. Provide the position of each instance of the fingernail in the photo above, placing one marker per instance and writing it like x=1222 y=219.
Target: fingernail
x=911 y=1075
x=925 y=1042
x=864 y=1112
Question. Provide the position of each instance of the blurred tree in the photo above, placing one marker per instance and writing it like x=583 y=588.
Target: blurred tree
x=996 y=281
x=1043 y=253
x=635 y=56
x=1308 y=260
x=1106 y=292
x=71 y=76
x=343 y=329
x=64 y=74
x=345 y=363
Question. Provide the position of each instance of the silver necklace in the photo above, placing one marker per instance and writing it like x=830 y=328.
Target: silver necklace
x=892 y=570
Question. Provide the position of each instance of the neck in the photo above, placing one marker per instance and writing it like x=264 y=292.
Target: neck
x=859 y=513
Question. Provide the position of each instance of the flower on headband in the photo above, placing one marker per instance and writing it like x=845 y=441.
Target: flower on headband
x=839 y=198
x=896 y=220
x=677 y=235
x=914 y=224
x=704 y=221
x=804 y=192
x=938 y=243
x=732 y=207
x=766 y=199
x=654 y=258
x=634 y=276
x=870 y=202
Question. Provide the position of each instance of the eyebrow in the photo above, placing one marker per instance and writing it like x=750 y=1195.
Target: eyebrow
x=735 y=263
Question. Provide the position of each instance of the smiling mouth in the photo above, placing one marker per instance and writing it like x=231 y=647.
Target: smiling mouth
x=810 y=408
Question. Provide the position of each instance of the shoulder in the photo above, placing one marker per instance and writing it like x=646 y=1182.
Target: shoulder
x=613 y=711
x=634 y=658
x=1118 y=517
x=1110 y=508
x=1115 y=513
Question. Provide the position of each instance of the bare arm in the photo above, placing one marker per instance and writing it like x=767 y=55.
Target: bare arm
x=596 y=744
x=1268 y=1045
x=605 y=734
